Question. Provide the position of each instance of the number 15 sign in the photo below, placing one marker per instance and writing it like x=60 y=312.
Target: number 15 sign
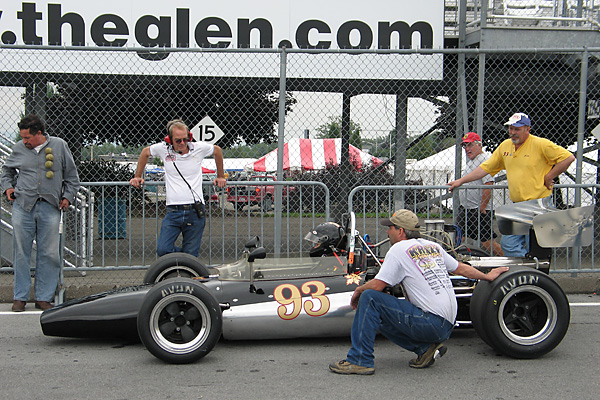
x=207 y=131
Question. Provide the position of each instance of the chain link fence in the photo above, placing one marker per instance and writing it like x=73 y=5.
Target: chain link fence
x=314 y=123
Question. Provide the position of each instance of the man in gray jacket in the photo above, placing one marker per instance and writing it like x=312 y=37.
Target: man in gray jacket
x=40 y=179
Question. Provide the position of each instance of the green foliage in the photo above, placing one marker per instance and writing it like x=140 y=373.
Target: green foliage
x=133 y=111
x=106 y=171
x=430 y=145
x=255 y=151
x=333 y=129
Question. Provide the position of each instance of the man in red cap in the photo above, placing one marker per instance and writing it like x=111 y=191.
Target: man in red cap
x=531 y=164
x=475 y=213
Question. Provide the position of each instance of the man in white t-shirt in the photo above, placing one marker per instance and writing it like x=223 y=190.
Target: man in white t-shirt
x=182 y=160
x=423 y=320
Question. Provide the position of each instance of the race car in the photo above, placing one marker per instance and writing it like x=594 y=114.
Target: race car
x=183 y=307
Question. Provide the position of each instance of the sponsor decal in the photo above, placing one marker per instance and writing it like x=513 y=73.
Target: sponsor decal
x=519 y=281
x=177 y=289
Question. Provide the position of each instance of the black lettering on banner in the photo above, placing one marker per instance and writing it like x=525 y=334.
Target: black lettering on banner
x=210 y=32
x=203 y=34
x=343 y=35
x=162 y=39
x=303 y=31
x=405 y=33
x=29 y=16
x=99 y=30
x=183 y=28
x=264 y=28
x=56 y=22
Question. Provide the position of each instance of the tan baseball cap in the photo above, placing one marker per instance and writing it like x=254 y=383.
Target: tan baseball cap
x=404 y=219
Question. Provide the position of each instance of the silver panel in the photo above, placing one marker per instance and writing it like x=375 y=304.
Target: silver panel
x=493 y=262
x=516 y=218
x=261 y=321
x=565 y=228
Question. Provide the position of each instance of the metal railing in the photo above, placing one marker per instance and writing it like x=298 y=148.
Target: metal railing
x=372 y=203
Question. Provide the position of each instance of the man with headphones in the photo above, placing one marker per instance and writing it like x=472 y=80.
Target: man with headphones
x=182 y=160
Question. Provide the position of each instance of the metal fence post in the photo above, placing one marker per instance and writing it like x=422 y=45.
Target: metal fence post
x=281 y=141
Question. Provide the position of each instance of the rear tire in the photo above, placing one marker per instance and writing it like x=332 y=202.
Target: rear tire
x=175 y=265
x=523 y=313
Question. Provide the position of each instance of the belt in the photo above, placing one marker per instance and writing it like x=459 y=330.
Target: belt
x=40 y=199
x=182 y=207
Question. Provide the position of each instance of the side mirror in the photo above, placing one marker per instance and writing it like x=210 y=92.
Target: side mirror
x=252 y=243
x=257 y=254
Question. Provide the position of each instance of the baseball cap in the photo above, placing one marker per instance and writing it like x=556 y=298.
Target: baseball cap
x=404 y=219
x=471 y=137
x=519 y=119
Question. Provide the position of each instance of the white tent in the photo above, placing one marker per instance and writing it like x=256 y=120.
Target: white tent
x=311 y=154
x=437 y=169
x=229 y=164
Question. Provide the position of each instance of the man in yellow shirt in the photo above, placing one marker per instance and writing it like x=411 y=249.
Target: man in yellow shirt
x=531 y=164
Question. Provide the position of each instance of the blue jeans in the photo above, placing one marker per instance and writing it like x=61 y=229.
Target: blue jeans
x=186 y=222
x=398 y=320
x=515 y=245
x=41 y=224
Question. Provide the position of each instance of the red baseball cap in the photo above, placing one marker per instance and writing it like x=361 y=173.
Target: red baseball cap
x=471 y=137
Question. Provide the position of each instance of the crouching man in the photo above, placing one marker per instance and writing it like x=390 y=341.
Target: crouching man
x=419 y=323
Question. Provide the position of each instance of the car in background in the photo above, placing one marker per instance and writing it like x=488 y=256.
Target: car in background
x=257 y=193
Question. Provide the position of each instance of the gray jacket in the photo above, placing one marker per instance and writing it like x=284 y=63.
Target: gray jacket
x=26 y=172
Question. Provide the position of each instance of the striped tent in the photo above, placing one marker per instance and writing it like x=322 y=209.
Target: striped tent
x=312 y=154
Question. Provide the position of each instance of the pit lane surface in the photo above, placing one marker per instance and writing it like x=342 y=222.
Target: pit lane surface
x=38 y=367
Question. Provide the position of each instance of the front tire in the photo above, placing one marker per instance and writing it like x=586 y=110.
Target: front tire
x=180 y=321
x=523 y=313
x=175 y=265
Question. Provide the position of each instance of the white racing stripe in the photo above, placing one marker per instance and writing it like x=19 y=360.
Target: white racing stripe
x=22 y=312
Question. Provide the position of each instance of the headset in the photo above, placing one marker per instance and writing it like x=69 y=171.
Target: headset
x=170 y=128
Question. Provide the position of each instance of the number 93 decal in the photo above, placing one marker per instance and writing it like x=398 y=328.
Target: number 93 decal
x=287 y=294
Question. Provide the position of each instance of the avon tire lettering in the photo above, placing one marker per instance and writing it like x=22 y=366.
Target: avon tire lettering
x=519 y=281
x=177 y=289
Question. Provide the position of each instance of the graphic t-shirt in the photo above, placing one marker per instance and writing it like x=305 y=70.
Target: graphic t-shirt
x=422 y=267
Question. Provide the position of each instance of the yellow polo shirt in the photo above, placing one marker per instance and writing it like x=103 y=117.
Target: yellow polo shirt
x=526 y=167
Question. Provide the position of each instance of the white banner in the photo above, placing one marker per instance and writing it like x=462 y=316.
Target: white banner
x=377 y=24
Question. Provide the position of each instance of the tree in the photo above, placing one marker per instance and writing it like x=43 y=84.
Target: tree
x=333 y=129
x=134 y=110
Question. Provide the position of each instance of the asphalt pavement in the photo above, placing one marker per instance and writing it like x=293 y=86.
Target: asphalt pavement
x=38 y=367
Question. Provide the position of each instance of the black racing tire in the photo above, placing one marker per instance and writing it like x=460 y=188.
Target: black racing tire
x=478 y=299
x=523 y=313
x=180 y=321
x=175 y=265
x=473 y=251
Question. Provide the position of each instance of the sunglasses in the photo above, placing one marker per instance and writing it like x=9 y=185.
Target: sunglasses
x=465 y=145
x=185 y=140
